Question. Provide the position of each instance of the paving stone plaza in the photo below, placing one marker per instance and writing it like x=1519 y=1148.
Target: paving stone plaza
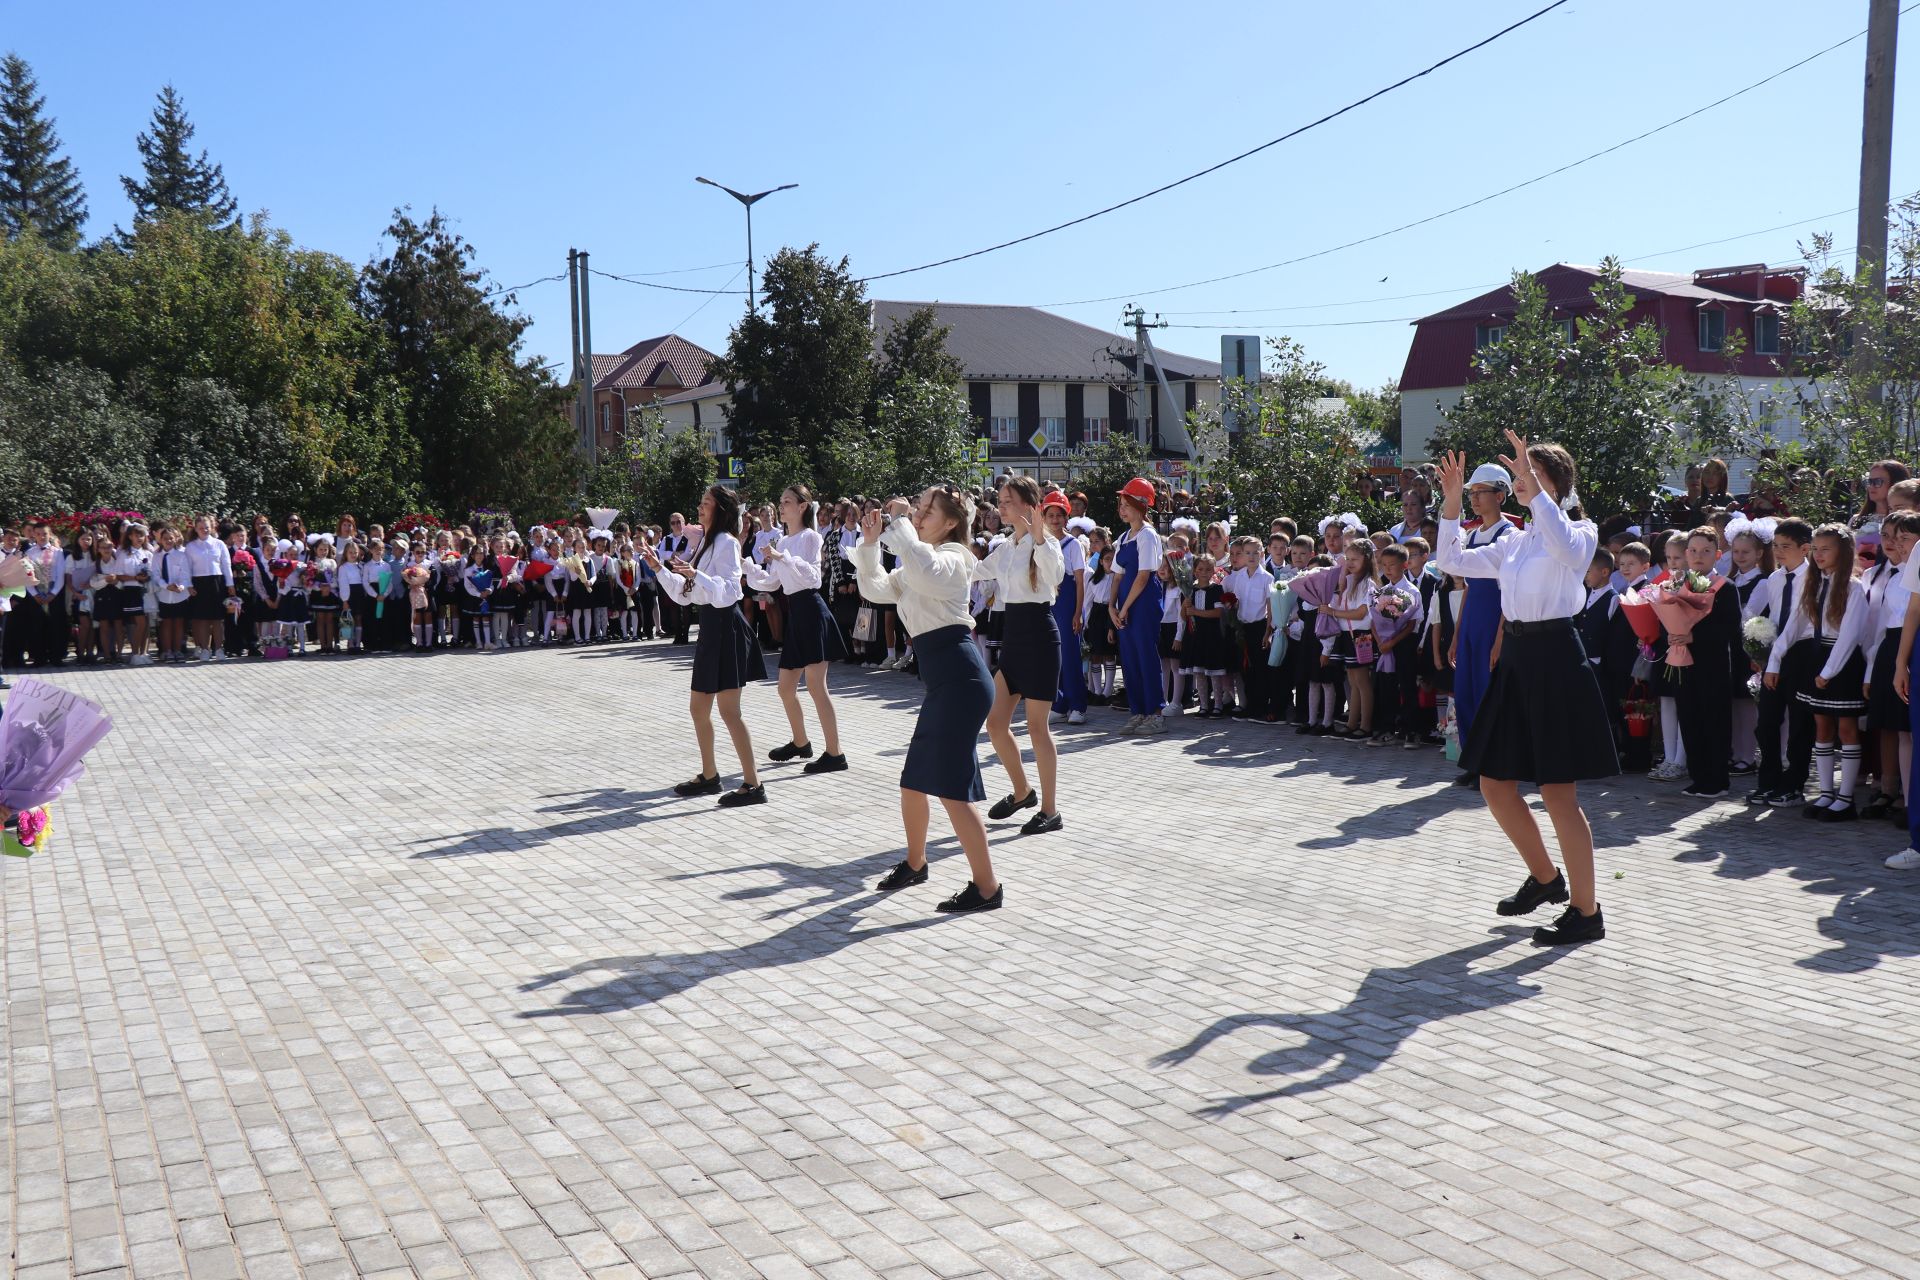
x=407 y=966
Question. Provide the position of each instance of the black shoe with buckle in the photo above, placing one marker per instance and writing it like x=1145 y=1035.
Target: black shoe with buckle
x=970 y=899
x=1042 y=823
x=744 y=795
x=700 y=786
x=792 y=751
x=1011 y=805
x=1533 y=894
x=901 y=877
x=827 y=763
x=1570 y=928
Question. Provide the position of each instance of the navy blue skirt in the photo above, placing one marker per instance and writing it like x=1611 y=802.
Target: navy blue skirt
x=812 y=635
x=1543 y=719
x=1030 y=651
x=726 y=655
x=941 y=759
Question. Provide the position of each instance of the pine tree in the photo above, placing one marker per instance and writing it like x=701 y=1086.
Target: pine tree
x=39 y=188
x=174 y=179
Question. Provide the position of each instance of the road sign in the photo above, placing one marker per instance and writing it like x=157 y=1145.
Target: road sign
x=982 y=450
x=1039 y=440
x=736 y=467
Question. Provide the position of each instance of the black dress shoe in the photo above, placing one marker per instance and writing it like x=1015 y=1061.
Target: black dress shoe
x=1533 y=894
x=1011 y=805
x=901 y=877
x=780 y=755
x=1471 y=780
x=970 y=899
x=1570 y=928
x=1302 y=730
x=1042 y=823
x=744 y=795
x=700 y=786
x=827 y=763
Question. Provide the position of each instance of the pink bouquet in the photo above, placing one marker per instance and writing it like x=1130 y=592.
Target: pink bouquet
x=1680 y=603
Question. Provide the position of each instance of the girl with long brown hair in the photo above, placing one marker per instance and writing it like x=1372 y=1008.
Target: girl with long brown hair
x=1026 y=569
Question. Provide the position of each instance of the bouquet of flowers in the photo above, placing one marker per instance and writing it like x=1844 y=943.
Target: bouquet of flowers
x=45 y=733
x=282 y=568
x=1680 y=603
x=1757 y=636
x=416 y=576
x=483 y=580
x=1393 y=601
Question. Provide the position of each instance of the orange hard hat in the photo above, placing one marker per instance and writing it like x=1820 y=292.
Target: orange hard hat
x=1141 y=491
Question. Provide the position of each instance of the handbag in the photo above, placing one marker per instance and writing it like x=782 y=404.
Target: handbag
x=866 y=624
x=1363 y=648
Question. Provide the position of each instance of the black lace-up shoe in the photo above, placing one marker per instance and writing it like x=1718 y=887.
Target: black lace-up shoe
x=1533 y=895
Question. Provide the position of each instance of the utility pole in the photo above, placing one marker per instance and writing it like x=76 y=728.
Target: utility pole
x=1143 y=352
x=586 y=360
x=578 y=375
x=1876 y=159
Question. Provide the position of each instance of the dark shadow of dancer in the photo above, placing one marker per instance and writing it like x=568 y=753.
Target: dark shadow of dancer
x=647 y=979
x=1391 y=1004
x=827 y=883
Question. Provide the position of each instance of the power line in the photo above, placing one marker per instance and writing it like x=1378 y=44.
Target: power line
x=651 y=284
x=515 y=288
x=1254 y=151
x=707 y=302
x=1460 y=208
x=682 y=271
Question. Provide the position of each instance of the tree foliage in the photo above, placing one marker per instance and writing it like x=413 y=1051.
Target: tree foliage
x=172 y=179
x=40 y=190
x=1606 y=394
x=1104 y=469
x=653 y=471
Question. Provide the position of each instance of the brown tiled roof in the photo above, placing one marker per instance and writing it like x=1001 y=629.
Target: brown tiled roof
x=650 y=362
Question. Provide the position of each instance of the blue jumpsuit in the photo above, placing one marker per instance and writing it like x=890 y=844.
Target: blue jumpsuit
x=1140 y=638
x=1072 y=695
x=1479 y=627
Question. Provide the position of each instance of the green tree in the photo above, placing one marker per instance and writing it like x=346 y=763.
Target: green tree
x=653 y=471
x=173 y=179
x=39 y=188
x=927 y=427
x=1102 y=469
x=490 y=425
x=1289 y=456
x=1606 y=394
x=1376 y=414
x=914 y=350
x=803 y=362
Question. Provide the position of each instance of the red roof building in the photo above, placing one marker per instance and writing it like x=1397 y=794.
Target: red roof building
x=1696 y=314
x=647 y=371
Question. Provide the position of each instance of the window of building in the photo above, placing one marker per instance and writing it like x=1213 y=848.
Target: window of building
x=1004 y=430
x=606 y=419
x=1487 y=335
x=1713 y=329
x=1569 y=329
x=1095 y=431
x=1056 y=429
x=1766 y=333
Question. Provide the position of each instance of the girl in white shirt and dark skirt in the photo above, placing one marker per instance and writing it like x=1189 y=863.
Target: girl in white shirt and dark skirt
x=930 y=586
x=727 y=657
x=1026 y=570
x=1543 y=719
x=790 y=564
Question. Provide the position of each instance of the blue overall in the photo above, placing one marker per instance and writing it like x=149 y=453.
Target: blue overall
x=1479 y=628
x=1140 y=638
x=1072 y=695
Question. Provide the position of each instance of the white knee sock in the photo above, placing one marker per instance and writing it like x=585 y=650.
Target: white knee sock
x=1849 y=771
x=1823 y=768
x=1670 y=732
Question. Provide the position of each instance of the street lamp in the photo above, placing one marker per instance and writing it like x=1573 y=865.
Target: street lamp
x=747 y=202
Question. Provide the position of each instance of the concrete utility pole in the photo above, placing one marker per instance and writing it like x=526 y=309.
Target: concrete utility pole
x=1876 y=160
x=576 y=373
x=586 y=358
x=1144 y=352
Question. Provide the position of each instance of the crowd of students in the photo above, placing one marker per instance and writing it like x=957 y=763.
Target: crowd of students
x=1727 y=646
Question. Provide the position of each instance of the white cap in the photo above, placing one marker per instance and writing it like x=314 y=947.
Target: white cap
x=1492 y=473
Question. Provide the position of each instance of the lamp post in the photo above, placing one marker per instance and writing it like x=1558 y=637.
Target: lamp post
x=747 y=202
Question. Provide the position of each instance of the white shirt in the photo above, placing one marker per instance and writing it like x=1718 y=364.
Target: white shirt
x=1889 y=595
x=130 y=564
x=1028 y=570
x=1149 y=543
x=1851 y=634
x=1253 y=592
x=208 y=558
x=1770 y=596
x=171 y=576
x=931 y=585
x=798 y=570
x=716 y=578
x=1541 y=568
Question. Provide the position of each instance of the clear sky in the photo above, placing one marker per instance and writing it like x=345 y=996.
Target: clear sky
x=919 y=131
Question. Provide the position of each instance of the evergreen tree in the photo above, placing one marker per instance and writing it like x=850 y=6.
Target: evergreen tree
x=175 y=179
x=39 y=188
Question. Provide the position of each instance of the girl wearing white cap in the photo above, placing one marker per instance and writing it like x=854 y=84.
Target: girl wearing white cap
x=1477 y=633
x=1544 y=719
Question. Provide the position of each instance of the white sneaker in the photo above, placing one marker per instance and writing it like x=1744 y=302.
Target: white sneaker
x=1056 y=717
x=1131 y=726
x=1076 y=717
x=140 y=660
x=219 y=655
x=1905 y=860
x=1153 y=724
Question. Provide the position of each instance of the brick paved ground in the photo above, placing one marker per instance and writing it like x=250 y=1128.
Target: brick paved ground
x=402 y=997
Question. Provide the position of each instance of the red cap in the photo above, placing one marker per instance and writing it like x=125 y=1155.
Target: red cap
x=1141 y=491
x=1055 y=498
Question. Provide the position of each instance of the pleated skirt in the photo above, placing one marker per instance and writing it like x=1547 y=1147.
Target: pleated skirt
x=811 y=635
x=1543 y=718
x=726 y=654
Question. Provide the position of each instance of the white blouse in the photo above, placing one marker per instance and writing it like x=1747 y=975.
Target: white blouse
x=797 y=571
x=1027 y=569
x=931 y=585
x=1889 y=596
x=1850 y=636
x=716 y=578
x=1541 y=569
x=208 y=558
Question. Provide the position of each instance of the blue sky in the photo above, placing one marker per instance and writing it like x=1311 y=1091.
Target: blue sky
x=921 y=131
